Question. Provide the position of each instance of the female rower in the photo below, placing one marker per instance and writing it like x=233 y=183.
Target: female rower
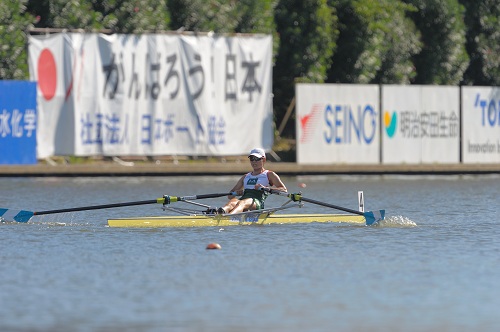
x=249 y=185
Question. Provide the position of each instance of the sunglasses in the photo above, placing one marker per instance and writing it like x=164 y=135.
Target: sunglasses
x=252 y=158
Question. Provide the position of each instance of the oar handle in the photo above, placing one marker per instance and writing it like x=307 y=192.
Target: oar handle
x=184 y=198
x=170 y=199
x=275 y=191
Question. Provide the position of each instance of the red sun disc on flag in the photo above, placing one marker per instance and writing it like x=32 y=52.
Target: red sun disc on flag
x=47 y=74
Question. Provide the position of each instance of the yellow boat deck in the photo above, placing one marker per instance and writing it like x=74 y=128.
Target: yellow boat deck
x=233 y=220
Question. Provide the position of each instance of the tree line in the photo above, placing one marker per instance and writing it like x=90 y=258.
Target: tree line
x=440 y=42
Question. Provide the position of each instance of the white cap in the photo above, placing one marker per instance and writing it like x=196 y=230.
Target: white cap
x=259 y=153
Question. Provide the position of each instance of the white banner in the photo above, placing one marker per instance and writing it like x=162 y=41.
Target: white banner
x=152 y=94
x=421 y=124
x=337 y=123
x=481 y=129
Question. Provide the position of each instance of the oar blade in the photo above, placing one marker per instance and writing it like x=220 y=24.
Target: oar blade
x=10 y=215
x=372 y=217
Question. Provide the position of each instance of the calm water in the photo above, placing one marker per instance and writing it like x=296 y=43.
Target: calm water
x=434 y=265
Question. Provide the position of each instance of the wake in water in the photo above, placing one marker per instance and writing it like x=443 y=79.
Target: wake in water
x=63 y=219
x=397 y=221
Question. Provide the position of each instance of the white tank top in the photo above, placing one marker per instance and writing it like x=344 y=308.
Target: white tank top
x=250 y=180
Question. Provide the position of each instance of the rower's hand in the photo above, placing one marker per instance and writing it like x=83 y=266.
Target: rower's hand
x=271 y=190
x=258 y=186
x=235 y=193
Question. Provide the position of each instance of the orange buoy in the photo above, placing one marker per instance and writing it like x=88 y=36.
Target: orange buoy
x=213 y=246
x=302 y=185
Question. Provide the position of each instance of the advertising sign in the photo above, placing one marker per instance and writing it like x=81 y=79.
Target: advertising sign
x=421 y=124
x=481 y=129
x=337 y=123
x=17 y=122
x=164 y=94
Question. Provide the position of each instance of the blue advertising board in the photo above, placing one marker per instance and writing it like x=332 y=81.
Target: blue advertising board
x=17 y=122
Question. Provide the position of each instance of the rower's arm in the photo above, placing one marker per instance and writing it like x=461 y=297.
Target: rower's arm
x=238 y=188
x=276 y=181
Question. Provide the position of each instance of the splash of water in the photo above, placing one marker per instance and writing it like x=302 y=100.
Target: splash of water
x=63 y=219
x=397 y=221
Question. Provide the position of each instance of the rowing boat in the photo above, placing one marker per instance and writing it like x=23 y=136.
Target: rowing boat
x=230 y=220
x=189 y=217
x=193 y=218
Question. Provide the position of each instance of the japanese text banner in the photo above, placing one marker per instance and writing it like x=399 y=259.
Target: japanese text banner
x=17 y=122
x=152 y=94
x=421 y=124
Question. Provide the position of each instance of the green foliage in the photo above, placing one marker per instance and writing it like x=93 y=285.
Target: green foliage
x=13 y=24
x=307 y=32
x=134 y=16
x=123 y=16
x=399 y=39
x=201 y=15
x=482 y=19
x=73 y=14
x=376 y=42
x=443 y=59
x=222 y=16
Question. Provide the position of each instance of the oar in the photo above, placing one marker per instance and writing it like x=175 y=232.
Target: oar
x=10 y=215
x=370 y=217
